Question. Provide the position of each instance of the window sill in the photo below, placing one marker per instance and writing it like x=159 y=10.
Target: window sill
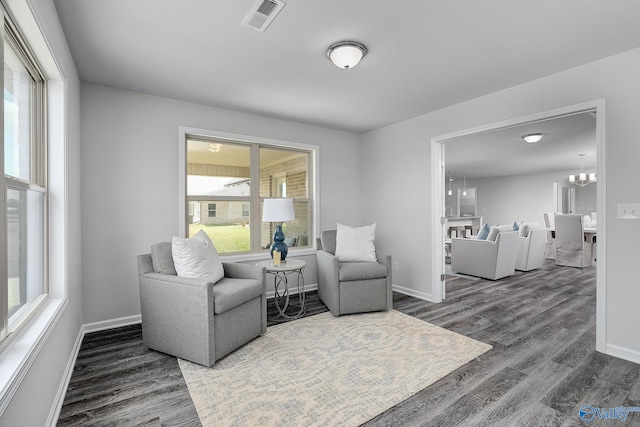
x=20 y=352
x=259 y=256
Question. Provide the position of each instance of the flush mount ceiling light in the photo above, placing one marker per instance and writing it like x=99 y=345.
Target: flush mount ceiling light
x=346 y=54
x=532 y=138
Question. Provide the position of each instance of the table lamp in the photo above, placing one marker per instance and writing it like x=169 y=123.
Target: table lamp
x=278 y=210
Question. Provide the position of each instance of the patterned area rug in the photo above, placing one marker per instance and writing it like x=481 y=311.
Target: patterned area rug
x=326 y=371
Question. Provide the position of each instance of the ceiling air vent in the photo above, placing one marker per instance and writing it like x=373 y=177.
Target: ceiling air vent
x=262 y=13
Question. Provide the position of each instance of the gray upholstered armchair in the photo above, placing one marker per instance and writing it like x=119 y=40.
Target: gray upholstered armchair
x=352 y=287
x=195 y=320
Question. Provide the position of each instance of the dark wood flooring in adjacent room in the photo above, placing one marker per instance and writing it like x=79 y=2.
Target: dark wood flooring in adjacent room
x=542 y=369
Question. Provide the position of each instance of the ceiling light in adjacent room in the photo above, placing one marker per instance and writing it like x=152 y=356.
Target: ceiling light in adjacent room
x=532 y=138
x=582 y=179
x=346 y=54
x=464 y=185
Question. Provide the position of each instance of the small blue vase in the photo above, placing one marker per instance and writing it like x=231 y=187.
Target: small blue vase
x=279 y=244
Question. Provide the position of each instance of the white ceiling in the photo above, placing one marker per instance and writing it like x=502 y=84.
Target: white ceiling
x=423 y=55
x=505 y=153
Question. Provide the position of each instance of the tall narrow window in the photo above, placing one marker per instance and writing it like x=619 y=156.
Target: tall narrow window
x=25 y=186
x=227 y=181
x=285 y=173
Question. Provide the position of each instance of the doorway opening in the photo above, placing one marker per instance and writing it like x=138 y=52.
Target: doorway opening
x=440 y=183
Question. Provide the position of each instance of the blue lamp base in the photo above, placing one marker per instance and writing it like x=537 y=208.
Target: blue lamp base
x=279 y=244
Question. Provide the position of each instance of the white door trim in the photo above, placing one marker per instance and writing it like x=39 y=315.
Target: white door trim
x=438 y=205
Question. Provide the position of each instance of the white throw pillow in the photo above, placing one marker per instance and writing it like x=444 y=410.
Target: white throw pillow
x=197 y=258
x=526 y=227
x=356 y=243
x=493 y=234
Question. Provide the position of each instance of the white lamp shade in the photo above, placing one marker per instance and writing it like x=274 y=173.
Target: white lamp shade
x=278 y=210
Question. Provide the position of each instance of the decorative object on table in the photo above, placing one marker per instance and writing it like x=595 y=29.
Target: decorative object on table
x=278 y=210
x=347 y=370
x=582 y=179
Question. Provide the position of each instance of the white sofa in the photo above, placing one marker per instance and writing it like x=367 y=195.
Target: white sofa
x=488 y=259
x=531 y=249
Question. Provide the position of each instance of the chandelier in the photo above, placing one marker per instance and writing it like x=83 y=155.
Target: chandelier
x=582 y=178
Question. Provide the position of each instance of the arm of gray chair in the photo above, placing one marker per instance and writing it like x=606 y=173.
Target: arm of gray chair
x=169 y=278
x=248 y=271
x=145 y=265
x=176 y=316
x=328 y=266
x=244 y=271
x=385 y=259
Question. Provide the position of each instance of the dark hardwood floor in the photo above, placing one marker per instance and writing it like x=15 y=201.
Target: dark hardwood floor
x=542 y=370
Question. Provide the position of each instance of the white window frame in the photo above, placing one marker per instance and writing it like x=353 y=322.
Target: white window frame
x=214 y=210
x=37 y=182
x=22 y=347
x=314 y=153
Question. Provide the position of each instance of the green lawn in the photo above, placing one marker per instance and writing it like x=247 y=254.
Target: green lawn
x=226 y=238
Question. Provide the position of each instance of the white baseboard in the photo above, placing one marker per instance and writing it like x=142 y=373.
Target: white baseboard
x=52 y=420
x=110 y=324
x=623 y=353
x=413 y=293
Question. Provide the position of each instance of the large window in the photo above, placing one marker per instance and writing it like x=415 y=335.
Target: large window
x=24 y=204
x=235 y=177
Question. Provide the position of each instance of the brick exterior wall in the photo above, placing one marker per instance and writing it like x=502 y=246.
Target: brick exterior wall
x=295 y=172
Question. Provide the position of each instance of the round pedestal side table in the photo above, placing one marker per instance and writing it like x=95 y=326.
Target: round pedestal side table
x=281 y=275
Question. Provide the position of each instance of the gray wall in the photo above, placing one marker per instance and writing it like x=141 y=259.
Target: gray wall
x=503 y=200
x=397 y=161
x=34 y=399
x=130 y=165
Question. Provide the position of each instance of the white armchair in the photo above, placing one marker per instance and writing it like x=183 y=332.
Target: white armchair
x=491 y=260
x=531 y=249
x=551 y=243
